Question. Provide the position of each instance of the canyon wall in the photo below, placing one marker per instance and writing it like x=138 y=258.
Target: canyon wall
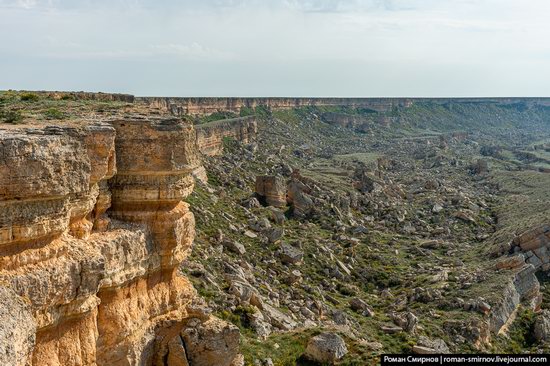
x=198 y=106
x=210 y=135
x=208 y=105
x=93 y=228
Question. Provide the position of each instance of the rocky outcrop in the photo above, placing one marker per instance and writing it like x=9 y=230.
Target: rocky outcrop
x=93 y=228
x=535 y=245
x=522 y=288
x=272 y=190
x=210 y=135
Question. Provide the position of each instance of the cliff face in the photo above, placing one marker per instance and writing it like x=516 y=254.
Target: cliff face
x=210 y=135
x=93 y=227
x=197 y=106
x=201 y=106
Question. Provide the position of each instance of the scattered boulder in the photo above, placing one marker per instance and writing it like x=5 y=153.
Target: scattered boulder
x=407 y=320
x=298 y=196
x=272 y=190
x=426 y=345
x=234 y=246
x=274 y=234
x=361 y=306
x=326 y=348
x=278 y=319
x=290 y=254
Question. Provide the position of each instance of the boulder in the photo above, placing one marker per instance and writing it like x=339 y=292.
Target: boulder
x=234 y=247
x=426 y=345
x=211 y=342
x=290 y=254
x=326 y=348
x=272 y=190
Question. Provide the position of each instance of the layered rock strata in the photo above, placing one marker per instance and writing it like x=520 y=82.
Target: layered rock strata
x=535 y=245
x=199 y=106
x=93 y=227
x=210 y=135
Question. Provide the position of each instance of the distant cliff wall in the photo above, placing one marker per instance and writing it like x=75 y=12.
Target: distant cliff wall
x=210 y=135
x=197 y=106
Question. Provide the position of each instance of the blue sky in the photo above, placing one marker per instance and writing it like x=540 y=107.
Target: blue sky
x=278 y=47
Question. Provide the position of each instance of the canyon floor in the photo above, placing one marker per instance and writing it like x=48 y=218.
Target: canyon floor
x=419 y=228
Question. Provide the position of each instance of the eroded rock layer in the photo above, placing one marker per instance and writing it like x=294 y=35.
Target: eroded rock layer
x=210 y=135
x=93 y=227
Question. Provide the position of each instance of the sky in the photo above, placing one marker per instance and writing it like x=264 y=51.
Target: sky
x=342 y=48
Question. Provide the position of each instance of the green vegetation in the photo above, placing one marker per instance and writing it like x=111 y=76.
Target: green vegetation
x=54 y=113
x=520 y=337
x=9 y=116
x=216 y=116
x=29 y=97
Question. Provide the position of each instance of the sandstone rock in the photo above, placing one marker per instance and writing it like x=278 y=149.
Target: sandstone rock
x=522 y=288
x=212 y=342
x=17 y=329
x=298 y=196
x=512 y=262
x=542 y=326
x=426 y=345
x=361 y=306
x=290 y=254
x=407 y=320
x=234 y=246
x=278 y=319
x=533 y=238
x=272 y=189
x=326 y=348
x=209 y=136
x=97 y=261
x=274 y=234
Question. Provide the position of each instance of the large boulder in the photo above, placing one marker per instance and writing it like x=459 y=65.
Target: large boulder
x=272 y=190
x=298 y=196
x=326 y=348
x=290 y=254
x=213 y=342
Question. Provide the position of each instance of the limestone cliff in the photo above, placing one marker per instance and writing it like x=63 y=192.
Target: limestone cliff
x=198 y=106
x=210 y=135
x=93 y=228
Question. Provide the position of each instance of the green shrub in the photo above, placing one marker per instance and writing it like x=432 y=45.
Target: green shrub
x=54 y=113
x=10 y=116
x=246 y=111
x=68 y=97
x=29 y=97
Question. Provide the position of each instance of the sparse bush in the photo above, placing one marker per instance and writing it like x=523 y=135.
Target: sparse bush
x=11 y=116
x=54 y=113
x=68 y=97
x=29 y=97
